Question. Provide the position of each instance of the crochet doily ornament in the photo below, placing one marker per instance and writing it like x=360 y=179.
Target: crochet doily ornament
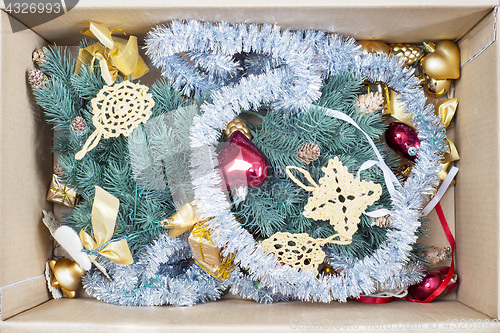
x=297 y=250
x=339 y=198
x=118 y=110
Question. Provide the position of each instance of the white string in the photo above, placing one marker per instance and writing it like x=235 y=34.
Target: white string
x=22 y=281
x=442 y=190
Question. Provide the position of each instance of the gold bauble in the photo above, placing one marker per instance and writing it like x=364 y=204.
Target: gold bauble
x=374 y=46
x=443 y=61
x=327 y=269
x=409 y=52
x=237 y=124
x=67 y=275
x=436 y=87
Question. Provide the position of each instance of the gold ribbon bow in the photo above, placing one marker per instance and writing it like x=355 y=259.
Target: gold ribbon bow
x=115 y=55
x=182 y=220
x=104 y=213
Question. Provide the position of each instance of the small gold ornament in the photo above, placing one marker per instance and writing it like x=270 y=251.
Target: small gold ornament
x=182 y=220
x=372 y=101
x=59 y=193
x=118 y=110
x=382 y=221
x=327 y=270
x=435 y=255
x=340 y=198
x=436 y=87
x=36 y=78
x=409 y=52
x=443 y=60
x=374 y=46
x=207 y=255
x=308 y=152
x=237 y=124
x=67 y=275
x=397 y=108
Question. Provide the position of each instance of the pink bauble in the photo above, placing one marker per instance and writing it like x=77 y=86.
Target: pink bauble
x=241 y=163
x=403 y=140
x=432 y=281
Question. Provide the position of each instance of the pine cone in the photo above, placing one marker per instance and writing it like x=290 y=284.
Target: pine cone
x=237 y=124
x=382 y=221
x=435 y=254
x=36 y=78
x=370 y=102
x=78 y=125
x=39 y=56
x=409 y=52
x=308 y=152
x=58 y=170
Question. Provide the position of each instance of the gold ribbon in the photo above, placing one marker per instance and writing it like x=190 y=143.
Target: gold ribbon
x=397 y=108
x=446 y=110
x=115 y=55
x=104 y=214
x=182 y=220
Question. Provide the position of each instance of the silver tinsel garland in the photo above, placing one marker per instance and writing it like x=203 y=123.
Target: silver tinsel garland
x=286 y=70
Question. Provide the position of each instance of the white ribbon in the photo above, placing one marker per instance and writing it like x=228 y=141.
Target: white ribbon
x=442 y=190
x=389 y=177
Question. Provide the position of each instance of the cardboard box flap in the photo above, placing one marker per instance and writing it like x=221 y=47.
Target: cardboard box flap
x=237 y=315
x=477 y=188
x=390 y=20
x=25 y=169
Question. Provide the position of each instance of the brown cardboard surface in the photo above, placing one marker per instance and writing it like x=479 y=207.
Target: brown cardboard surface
x=25 y=170
x=477 y=189
x=390 y=20
x=481 y=36
x=25 y=245
x=236 y=315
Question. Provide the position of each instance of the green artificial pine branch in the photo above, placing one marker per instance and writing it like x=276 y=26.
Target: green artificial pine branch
x=66 y=96
x=278 y=204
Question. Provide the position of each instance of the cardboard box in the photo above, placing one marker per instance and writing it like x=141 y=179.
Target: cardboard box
x=472 y=207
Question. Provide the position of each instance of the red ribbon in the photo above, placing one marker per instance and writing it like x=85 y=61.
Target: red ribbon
x=375 y=299
x=451 y=271
x=442 y=286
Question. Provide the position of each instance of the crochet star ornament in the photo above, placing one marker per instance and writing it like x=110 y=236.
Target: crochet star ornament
x=339 y=198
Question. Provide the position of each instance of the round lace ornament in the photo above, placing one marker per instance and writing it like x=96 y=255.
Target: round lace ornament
x=118 y=110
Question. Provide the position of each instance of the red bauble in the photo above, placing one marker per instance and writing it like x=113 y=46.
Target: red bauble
x=403 y=140
x=241 y=163
x=432 y=281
